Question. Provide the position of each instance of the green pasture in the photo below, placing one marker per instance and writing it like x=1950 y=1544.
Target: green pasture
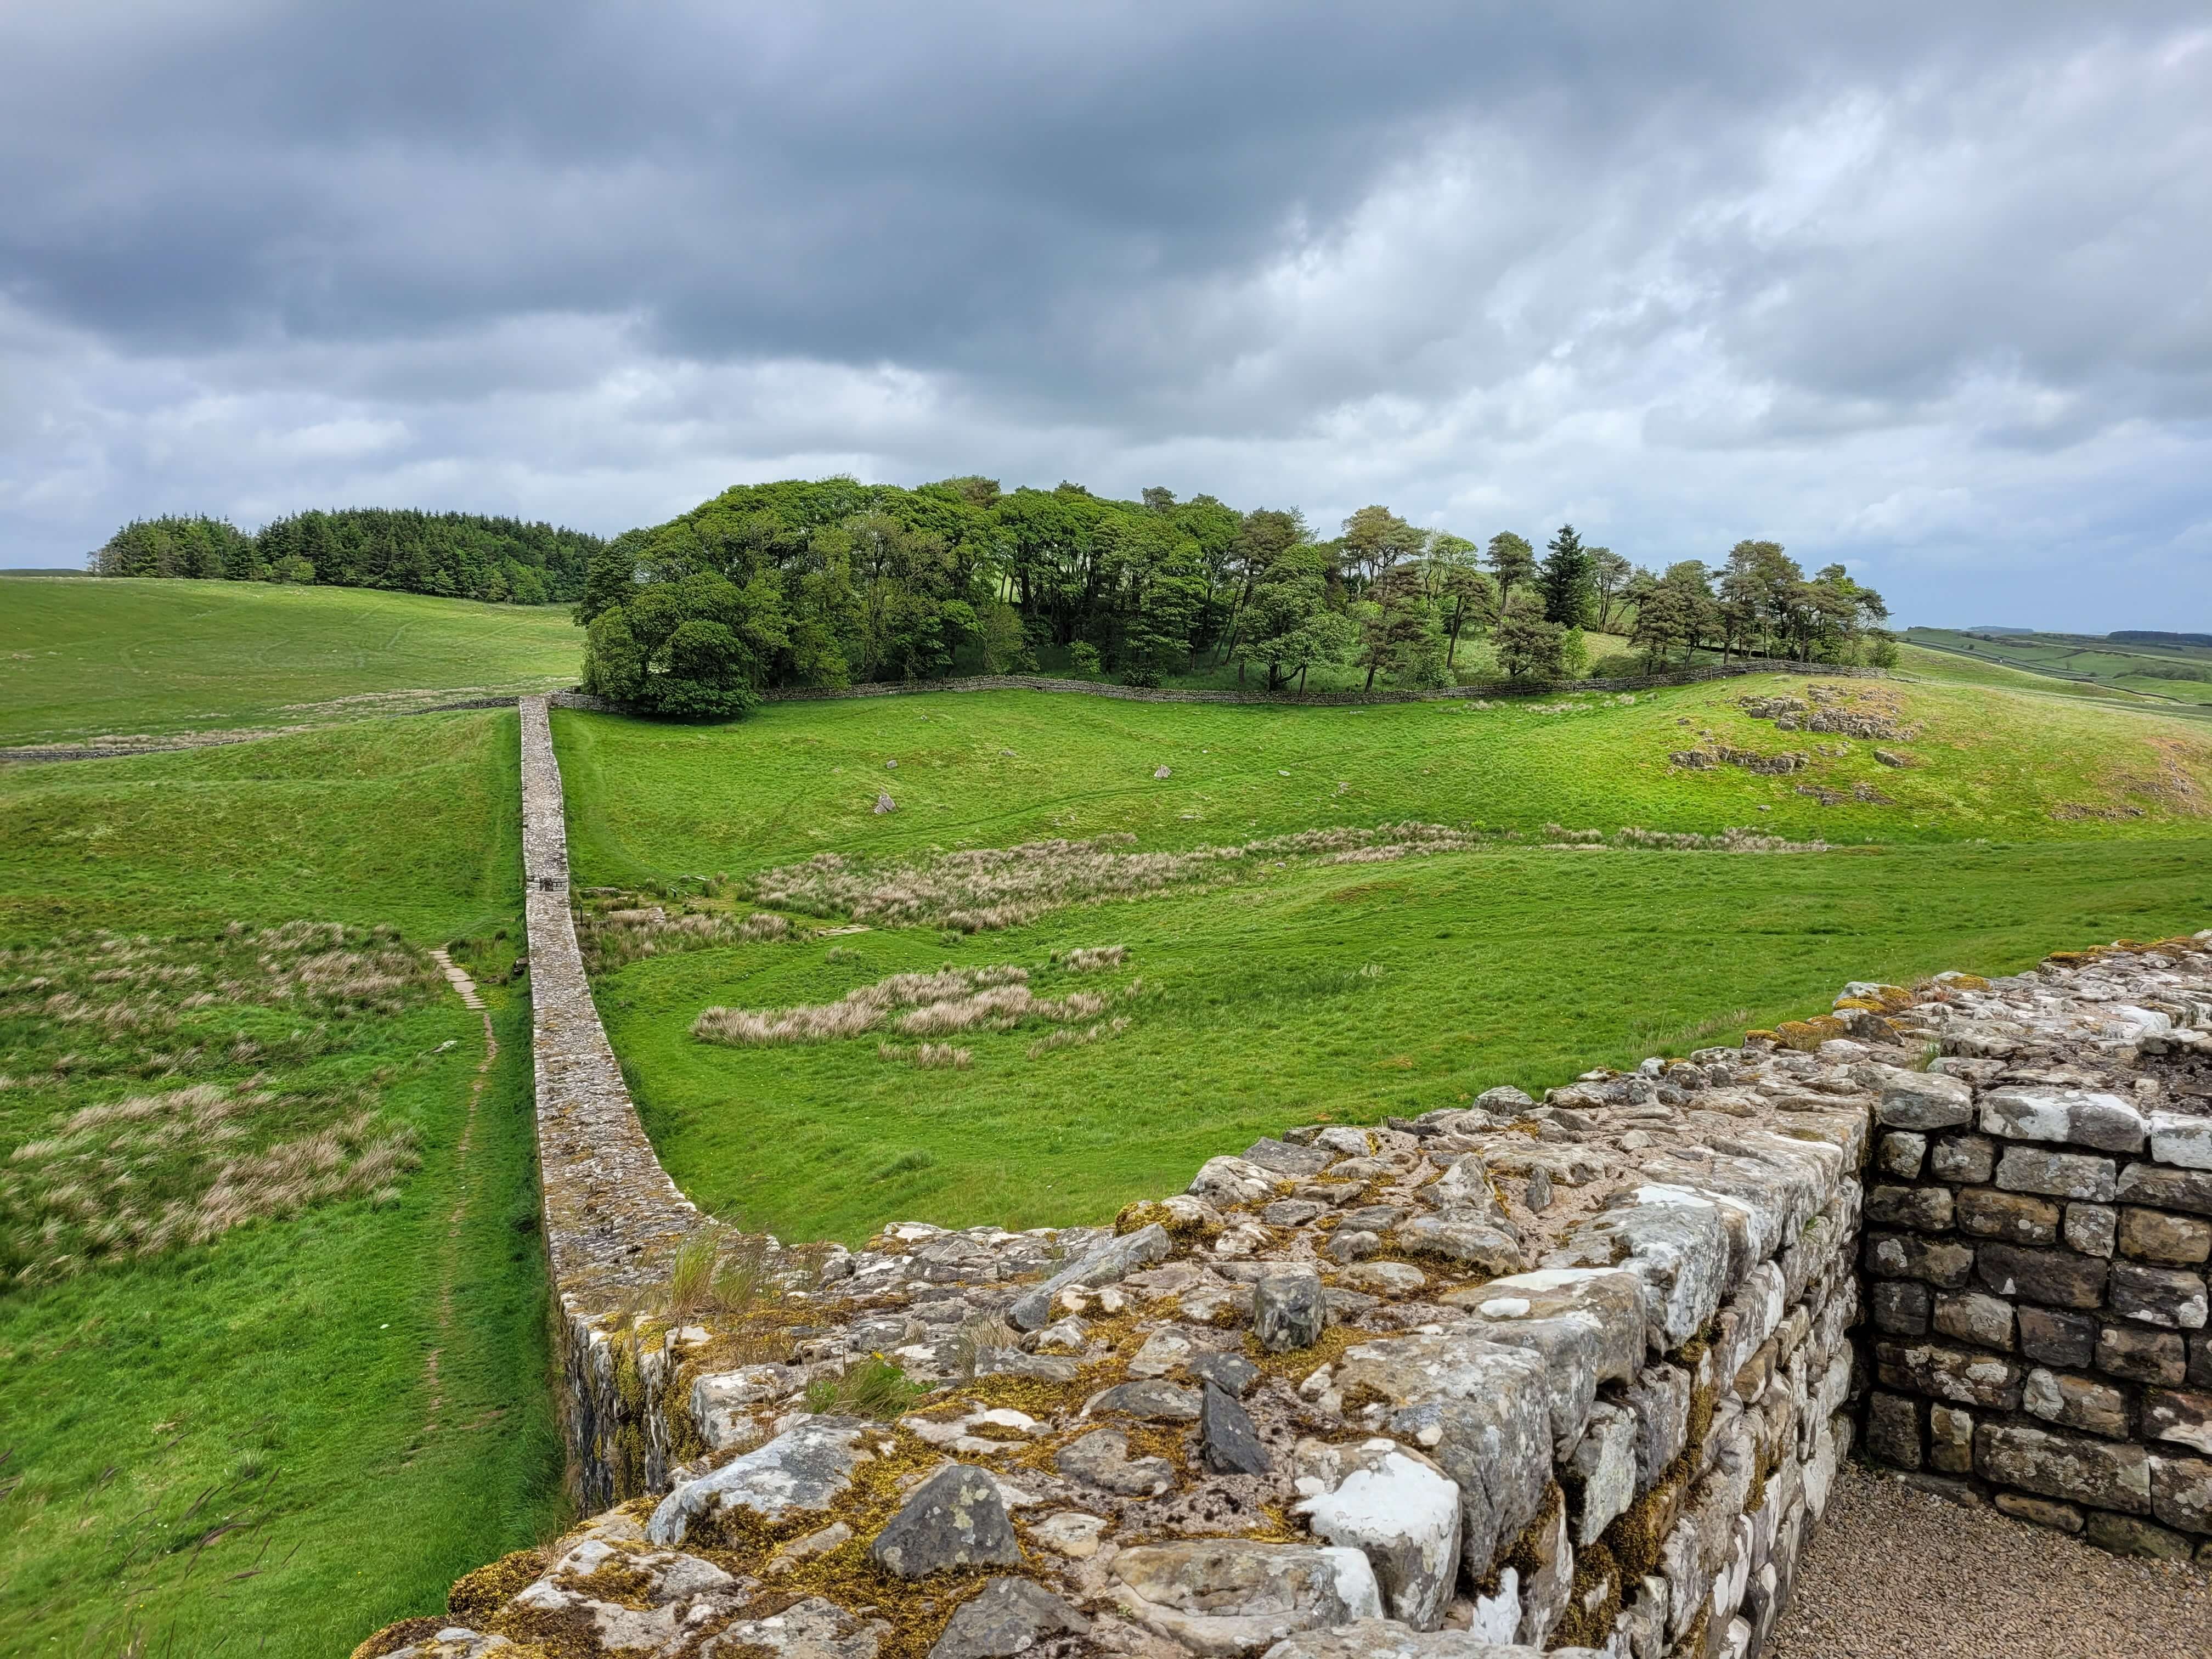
x=110 y=657
x=247 y=1446
x=651 y=802
x=1520 y=966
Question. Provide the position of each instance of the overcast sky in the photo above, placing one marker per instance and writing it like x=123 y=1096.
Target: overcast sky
x=1926 y=289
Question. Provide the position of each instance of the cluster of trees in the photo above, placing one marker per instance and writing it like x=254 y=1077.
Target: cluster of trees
x=459 y=555
x=1759 y=603
x=833 y=582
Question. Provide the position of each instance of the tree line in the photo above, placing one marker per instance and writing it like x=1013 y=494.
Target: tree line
x=457 y=555
x=833 y=582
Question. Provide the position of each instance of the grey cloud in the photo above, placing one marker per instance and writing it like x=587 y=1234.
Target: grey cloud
x=1884 y=283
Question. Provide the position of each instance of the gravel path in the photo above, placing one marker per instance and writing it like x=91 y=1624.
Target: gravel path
x=1895 y=1573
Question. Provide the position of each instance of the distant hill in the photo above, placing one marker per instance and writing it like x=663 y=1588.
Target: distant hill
x=1983 y=627
x=2152 y=636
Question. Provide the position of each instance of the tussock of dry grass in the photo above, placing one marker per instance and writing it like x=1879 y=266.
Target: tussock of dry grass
x=150 y=1168
x=1090 y=959
x=932 y=1004
x=611 y=937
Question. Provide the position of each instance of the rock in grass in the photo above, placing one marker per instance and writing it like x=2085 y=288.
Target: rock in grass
x=1150 y=1401
x=1288 y=1310
x=956 y=1518
x=1227 y=1442
x=1007 y=1617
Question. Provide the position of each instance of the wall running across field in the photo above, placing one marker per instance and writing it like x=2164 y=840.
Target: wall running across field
x=1572 y=1376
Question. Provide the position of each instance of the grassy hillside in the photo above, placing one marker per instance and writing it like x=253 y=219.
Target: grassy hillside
x=307 y=1426
x=1281 y=987
x=93 y=657
x=990 y=769
x=1348 y=993
x=2163 y=671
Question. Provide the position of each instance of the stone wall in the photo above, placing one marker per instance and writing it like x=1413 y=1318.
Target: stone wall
x=1507 y=1378
x=2039 y=1231
x=612 y=1214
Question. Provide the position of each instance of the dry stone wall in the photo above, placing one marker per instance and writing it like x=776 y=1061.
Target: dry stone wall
x=612 y=1214
x=2038 y=1228
x=1571 y=1377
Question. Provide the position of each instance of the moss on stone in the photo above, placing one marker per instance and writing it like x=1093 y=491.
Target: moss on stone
x=1637 y=1537
x=480 y=1594
x=1594 y=1601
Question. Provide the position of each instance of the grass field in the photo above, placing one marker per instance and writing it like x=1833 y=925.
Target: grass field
x=1502 y=962
x=2114 y=667
x=276 y=1441
x=648 y=802
x=90 y=656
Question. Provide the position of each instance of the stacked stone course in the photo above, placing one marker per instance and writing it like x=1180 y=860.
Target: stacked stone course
x=2039 y=1223
x=1504 y=1379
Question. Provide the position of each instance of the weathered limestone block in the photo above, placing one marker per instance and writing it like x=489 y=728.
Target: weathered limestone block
x=1902 y=1153
x=2185 y=1418
x=1659 y=1399
x=1108 y=1265
x=1922 y=1100
x=2040 y=1511
x=812 y=1629
x=2015 y=1217
x=1960 y=1375
x=1403 y=1514
x=663 y=1591
x=1950 y=1440
x=1007 y=1616
x=956 y=1518
x=2181 y=1140
x=2097 y=1472
x=1375 y=1639
x=1893 y=1428
x=2079 y=1117
x=2181 y=1492
x=1102 y=1459
x=1222 y=1597
x=2076 y=1402
x=1938 y=1261
x=2055 y=1338
x=1601 y=1473
x=1925 y=1209
x=2168 y=1189
x=1902 y=1307
x=1229 y=1181
x=2179 y=1241
x=1971 y=1316
x=2056 y=1175
x=1586 y=1323
x=1671 y=1238
x=1963 y=1160
x=1480 y=1410
x=2055 y=1278
x=2091 y=1229
x=2143 y=1356
x=806 y=1469
x=2159 y=1296
x=1480 y=1246
x=1287 y=1309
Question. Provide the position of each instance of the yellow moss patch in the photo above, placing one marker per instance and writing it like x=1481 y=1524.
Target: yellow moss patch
x=1807 y=1035
x=480 y=1594
x=1637 y=1537
x=1136 y=1216
x=392 y=1637
x=1593 y=1603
